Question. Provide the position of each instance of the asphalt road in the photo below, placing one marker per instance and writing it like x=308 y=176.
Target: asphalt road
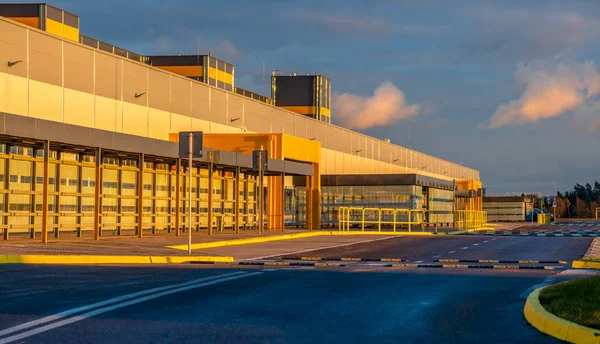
x=428 y=249
x=191 y=304
x=354 y=304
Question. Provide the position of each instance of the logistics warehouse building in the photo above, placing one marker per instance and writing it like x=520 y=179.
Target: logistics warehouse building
x=88 y=135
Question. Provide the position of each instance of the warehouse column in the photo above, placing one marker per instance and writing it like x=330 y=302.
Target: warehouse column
x=237 y=200
x=178 y=197
x=97 y=199
x=45 y=192
x=140 y=200
x=274 y=202
x=210 y=195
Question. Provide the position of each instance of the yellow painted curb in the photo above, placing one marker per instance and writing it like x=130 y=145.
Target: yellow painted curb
x=245 y=241
x=255 y=240
x=557 y=327
x=95 y=259
x=580 y=264
x=375 y=233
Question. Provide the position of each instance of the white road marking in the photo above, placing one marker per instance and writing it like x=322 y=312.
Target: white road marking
x=493 y=238
x=321 y=248
x=475 y=244
x=419 y=261
x=464 y=248
x=485 y=241
x=439 y=255
x=154 y=293
x=452 y=252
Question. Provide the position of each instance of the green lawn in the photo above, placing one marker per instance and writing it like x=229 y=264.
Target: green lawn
x=595 y=260
x=577 y=301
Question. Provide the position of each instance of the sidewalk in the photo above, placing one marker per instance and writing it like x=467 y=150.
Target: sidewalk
x=219 y=247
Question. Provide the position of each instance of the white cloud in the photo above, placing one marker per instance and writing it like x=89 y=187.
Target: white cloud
x=385 y=107
x=551 y=90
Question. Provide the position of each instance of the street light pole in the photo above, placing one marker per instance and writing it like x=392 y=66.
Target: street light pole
x=191 y=153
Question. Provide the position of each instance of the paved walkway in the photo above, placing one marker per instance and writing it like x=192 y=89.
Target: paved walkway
x=124 y=245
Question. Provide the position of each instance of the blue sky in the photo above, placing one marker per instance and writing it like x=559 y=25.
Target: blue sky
x=507 y=87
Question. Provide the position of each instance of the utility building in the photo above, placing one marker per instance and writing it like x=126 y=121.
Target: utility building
x=307 y=95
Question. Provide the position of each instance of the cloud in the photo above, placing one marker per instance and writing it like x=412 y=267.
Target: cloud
x=551 y=90
x=385 y=107
x=226 y=50
x=343 y=23
x=508 y=33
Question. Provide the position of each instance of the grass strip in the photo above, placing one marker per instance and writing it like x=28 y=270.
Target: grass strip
x=577 y=301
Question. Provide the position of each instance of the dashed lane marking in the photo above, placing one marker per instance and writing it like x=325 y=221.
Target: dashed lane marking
x=452 y=252
x=464 y=248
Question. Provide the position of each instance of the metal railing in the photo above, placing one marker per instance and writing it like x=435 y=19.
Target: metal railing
x=469 y=219
x=390 y=217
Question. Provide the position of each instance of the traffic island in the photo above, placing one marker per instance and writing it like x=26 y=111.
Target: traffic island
x=569 y=311
x=591 y=260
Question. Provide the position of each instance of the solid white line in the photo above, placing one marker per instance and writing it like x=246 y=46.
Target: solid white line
x=321 y=248
x=119 y=305
x=107 y=302
x=452 y=252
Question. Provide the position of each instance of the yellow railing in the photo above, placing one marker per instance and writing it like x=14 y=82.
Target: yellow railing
x=469 y=219
x=348 y=216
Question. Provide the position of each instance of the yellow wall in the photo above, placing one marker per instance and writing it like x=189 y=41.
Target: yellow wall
x=97 y=89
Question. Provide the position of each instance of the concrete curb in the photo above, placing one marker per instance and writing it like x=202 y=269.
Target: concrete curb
x=580 y=264
x=96 y=259
x=562 y=262
x=557 y=327
x=255 y=240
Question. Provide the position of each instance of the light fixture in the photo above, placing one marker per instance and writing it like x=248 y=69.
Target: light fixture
x=446 y=172
x=137 y=95
x=314 y=138
x=10 y=64
x=233 y=119
x=358 y=151
x=28 y=142
x=79 y=149
x=396 y=160
x=423 y=167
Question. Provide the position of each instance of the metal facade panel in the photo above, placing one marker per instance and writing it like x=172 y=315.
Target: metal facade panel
x=13 y=48
x=19 y=126
x=180 y=95
x=159 y=89
x=200 y=101
x=101 y=138
x=108 y=76
x=79 y=68
x=50 y=130
x=45 y=58
x=218 y=106
x=77 y=135
x=135 y=83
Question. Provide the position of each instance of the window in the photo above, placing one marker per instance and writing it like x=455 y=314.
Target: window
x=73 y=182
x=87 y=208
x=39 y=180
x=63 y=181
x=128 y=186
x=84 y=183
x=129 y=162
x=147 y=209
x=128 y=209
x=148 y=187
x=25 y=179
x=14 y=178
x=51 y=181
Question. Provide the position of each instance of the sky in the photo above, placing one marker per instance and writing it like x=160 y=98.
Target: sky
x=511 y=88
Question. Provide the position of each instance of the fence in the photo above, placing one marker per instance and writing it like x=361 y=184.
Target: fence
x=469 y=219
x=362 y=217
x=389 y=217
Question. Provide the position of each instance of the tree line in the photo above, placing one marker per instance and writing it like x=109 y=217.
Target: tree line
x=581 y=202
